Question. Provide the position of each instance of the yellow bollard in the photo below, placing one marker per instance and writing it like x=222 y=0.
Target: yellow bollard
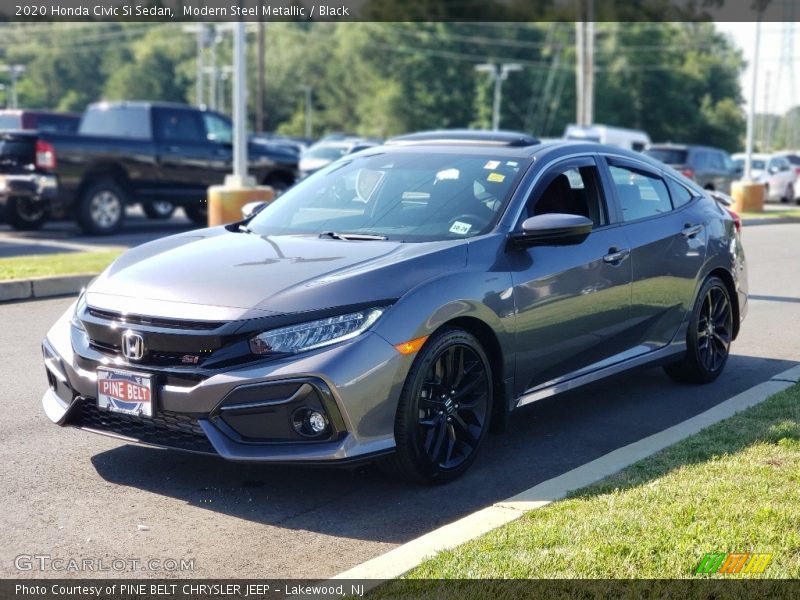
x=748 y=196
x=225 y=203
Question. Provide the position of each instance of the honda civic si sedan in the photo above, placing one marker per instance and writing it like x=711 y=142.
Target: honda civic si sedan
x=402 y=302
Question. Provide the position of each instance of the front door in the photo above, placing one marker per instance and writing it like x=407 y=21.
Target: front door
x=572 y=302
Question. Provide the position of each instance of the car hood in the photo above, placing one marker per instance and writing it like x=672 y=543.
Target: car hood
x=215 y=274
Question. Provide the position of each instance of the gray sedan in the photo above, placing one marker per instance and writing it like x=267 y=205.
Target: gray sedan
x=402 y=302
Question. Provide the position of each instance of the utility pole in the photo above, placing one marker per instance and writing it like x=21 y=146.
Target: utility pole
x=260 y=91
x=239 y=177
x=499 y=74
x=15 y=71
x=584 y=64
x=309 y=108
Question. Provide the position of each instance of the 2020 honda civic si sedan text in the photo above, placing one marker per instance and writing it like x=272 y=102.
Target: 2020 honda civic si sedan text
x=401 y=302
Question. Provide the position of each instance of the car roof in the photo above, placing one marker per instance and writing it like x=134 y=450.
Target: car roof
x=465 y=137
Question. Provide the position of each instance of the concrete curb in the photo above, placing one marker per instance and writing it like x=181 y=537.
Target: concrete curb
x=43 y=287
x=398 y=561
x=770 y=221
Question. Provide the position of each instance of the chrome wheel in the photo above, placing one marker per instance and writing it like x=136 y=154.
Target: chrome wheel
x=105 y=209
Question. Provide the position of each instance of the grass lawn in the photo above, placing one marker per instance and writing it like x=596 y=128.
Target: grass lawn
x=773 y=214
x=42 y=265
x=734 y=487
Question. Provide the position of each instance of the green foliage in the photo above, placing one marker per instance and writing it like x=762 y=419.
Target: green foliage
x=677 y=81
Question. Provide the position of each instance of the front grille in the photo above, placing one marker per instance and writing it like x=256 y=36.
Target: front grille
x=125 y=319
x=172 y=430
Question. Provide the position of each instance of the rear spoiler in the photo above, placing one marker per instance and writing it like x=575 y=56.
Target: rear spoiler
x=723 y=199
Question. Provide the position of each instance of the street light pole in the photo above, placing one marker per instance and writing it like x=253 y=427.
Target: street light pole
x=499 y=75
x=239 y=177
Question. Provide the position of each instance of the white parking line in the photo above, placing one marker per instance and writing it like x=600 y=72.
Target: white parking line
x=404 y=558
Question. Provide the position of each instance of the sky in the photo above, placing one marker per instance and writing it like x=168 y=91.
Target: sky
x=777 y=97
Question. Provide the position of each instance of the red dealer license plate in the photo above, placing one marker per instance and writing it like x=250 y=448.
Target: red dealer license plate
x=125 y=392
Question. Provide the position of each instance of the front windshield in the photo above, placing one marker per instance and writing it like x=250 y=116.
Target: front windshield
x=400 y=195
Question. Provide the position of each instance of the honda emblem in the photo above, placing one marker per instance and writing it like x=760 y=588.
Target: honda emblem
x=132 y=345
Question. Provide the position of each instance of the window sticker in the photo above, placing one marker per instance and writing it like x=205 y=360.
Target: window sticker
x=460 y=228
x=512 y=163
x=492 y=164
x=496 y=177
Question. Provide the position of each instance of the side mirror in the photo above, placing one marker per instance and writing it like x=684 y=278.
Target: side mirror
x=554 y=229
x=251 y=209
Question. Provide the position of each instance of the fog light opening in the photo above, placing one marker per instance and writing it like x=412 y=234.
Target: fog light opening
x=310 y=422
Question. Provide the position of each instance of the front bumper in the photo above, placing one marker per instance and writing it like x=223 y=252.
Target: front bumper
x=229 y=413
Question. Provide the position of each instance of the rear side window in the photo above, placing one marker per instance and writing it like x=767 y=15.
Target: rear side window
x=118 y=121
x=680 y=195
x=10 y=122
x=640 y=195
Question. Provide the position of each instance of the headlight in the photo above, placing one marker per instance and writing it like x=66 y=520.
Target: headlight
x=315 y=334
x=79 y=306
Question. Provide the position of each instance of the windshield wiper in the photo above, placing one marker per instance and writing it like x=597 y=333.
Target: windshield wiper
x=353 y=236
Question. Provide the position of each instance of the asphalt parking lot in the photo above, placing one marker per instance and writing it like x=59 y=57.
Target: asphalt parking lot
x=71 y=494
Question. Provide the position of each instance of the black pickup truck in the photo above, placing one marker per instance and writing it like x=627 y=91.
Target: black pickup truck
x=158 y=154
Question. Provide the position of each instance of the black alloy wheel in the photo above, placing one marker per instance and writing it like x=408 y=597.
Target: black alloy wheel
x=709 y=336
x=444 y=410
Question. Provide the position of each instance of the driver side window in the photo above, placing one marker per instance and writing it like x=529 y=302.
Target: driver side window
x=570 y=190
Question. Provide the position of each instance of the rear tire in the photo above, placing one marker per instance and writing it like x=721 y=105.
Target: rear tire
x=24 y=215
x=158 y=210
x=789 y=193
x=709 y=337
x=101 y=208
x=444 y=410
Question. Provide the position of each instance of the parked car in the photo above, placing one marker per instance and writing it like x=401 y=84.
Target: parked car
x=775 y=172
x=40 y=120
x=710 y=168
x=631 y=139
x=161 y=155
x=400 y=303
x=325 y=152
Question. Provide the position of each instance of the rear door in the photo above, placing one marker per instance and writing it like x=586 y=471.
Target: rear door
x=572 y=302
x=667 y=242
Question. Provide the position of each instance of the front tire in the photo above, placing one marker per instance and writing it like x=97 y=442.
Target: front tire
x=197 y=213
x=709 y=337
x=101 y=208
x=24 y=215
x=444 y=409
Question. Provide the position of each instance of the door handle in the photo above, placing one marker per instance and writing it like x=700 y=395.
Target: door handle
x=616 y=256
x=689 y=231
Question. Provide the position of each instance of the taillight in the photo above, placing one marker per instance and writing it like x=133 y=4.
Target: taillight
x=45 y=155
x=797 y=171
x=688 y=173
x=737 y=220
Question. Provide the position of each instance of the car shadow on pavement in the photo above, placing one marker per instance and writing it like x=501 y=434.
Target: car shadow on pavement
x=543 y=440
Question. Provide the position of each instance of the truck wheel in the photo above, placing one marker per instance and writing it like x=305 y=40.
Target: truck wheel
x=278 y=184
x=25 y=215
x=197 y=213
x=101 y=208
x=158 y=209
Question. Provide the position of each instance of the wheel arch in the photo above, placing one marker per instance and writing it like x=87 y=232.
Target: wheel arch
x=101 y=171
